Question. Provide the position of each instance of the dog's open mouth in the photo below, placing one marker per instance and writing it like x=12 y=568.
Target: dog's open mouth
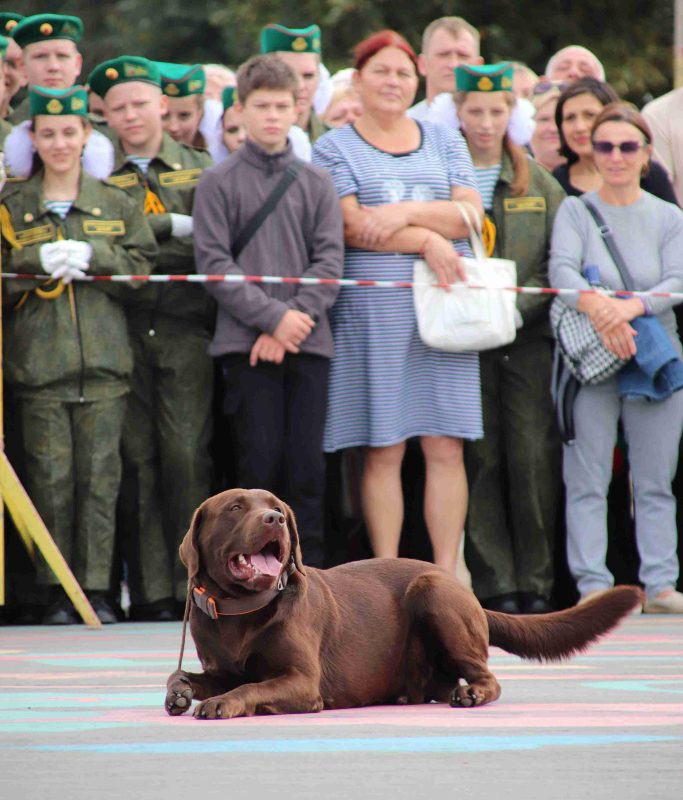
x=250 y=565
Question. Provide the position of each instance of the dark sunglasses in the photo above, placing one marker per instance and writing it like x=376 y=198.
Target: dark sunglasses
x=545 y=86
x=625 y=148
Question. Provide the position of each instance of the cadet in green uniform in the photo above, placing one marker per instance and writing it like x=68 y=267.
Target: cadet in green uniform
x=514 y=471
x=67 y=352
x=183 y=86
x=51 y=58
x=168 y=427
x=300 y=48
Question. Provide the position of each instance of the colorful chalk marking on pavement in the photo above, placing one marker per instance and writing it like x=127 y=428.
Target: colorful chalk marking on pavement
x=101 y=692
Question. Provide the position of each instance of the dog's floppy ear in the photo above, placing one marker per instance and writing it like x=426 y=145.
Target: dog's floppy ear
x=294 y=539
x=189 y=549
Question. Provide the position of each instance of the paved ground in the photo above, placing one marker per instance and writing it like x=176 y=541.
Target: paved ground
x=81 y=717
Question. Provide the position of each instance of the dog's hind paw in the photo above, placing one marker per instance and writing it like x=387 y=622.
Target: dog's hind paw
x=178 y=699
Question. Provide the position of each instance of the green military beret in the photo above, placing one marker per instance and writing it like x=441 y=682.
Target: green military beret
x=8 y=21
x=275 y=38
x=181 y=80
x=4 y=44
x=484 y=77
x=228 y=97
x=58 y=102
x=41 y=27
x=123 y=70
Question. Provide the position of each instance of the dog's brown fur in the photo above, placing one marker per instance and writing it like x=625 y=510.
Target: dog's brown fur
x=369 y=632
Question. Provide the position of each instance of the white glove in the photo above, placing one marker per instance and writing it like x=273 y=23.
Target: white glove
x=79 y=251
x=181 y=225
x=66 y=259
x=53 y=255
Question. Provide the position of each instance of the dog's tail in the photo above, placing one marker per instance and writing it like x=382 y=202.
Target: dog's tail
x=562 y=634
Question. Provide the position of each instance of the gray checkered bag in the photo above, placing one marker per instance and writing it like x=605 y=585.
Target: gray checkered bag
x=580 y=345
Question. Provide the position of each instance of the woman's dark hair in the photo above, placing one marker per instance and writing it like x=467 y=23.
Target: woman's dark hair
x=602 y=92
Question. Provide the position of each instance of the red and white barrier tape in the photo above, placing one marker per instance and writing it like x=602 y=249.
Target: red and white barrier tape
x=344 y=282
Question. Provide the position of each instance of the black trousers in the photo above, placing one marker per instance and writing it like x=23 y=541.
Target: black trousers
x=278 y=417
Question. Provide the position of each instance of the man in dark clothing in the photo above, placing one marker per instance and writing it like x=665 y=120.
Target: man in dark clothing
x=274 y=341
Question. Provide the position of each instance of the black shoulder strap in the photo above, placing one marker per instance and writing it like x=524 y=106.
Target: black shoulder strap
x=610 y=243
x=271 y=201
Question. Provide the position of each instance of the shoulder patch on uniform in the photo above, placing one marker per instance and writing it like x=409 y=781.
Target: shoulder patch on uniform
x=124 y=181
x=104 y=227
x=515 y=205
x=180 y=176
x=36 y=235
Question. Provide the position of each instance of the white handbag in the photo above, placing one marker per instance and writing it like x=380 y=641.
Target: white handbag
x=462 y=318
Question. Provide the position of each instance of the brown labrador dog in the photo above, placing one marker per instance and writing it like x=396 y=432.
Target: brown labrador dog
x=274 y=637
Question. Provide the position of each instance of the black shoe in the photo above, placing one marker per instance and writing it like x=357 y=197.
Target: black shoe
x=533 y=603
x=103 y=606
x=28 y=614
x=163 y=610
x=504 y=603
x=61 y=612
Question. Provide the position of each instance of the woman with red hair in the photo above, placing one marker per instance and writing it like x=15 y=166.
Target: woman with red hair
x=398 y=179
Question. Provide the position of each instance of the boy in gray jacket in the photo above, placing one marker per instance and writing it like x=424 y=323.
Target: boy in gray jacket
x=273 y=340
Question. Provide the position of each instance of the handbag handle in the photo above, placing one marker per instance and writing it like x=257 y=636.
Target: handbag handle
x=471 y=219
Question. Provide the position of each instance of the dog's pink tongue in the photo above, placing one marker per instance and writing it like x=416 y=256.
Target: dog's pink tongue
x=266 y=563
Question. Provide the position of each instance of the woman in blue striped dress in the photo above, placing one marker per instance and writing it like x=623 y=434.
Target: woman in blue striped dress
x=397 y=180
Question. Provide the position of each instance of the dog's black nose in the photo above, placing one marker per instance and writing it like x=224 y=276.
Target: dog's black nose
x=273 y=518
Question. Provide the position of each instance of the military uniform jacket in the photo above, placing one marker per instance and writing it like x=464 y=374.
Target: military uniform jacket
x=172 y=177
x=5 y=129
x=523 y=230
x=74 y=345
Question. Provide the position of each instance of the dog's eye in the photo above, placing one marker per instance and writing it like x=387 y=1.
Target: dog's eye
x=235 y=507
x=279 y=510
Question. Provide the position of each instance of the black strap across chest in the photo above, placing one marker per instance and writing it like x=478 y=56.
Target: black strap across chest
x=246 y=234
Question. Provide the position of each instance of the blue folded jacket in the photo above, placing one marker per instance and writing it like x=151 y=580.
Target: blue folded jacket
x=656 y=371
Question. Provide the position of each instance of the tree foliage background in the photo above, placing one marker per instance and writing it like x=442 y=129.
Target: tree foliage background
x=633 y=38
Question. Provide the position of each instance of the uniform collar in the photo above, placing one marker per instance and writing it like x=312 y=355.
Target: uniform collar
x=170 y=155
x=88 y=201
x=507 y=172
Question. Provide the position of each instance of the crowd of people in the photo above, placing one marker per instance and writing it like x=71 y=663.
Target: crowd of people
x=127 y=403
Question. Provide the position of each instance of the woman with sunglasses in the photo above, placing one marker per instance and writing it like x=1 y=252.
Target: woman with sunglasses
x=649 y=234
x=576 y=110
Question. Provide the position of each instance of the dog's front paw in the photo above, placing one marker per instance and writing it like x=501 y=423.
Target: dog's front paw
x=220 y=707
x=466 y=696
x=178 y=695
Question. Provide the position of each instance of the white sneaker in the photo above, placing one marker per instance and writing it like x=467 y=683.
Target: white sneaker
x=670 y=602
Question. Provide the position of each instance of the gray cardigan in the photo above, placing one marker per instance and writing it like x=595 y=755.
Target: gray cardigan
x=303 y=236
x=649 y=234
